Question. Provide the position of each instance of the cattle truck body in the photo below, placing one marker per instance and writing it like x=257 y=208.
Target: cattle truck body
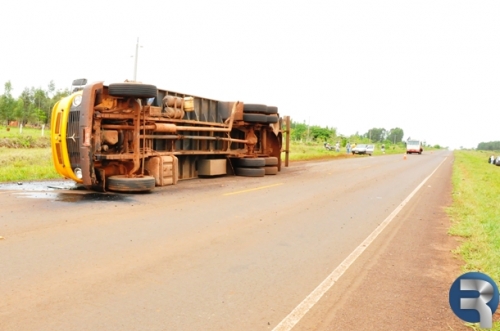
x=131 y=134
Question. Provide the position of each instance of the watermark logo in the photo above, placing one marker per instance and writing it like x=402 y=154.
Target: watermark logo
x=474 y=298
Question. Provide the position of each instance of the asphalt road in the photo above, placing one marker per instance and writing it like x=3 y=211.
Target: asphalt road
x=231 y=253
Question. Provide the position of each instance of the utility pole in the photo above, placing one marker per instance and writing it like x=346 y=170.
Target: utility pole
x=135 y=62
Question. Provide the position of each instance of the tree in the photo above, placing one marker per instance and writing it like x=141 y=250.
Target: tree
x=376 y=134
x=395 y=135
x=322 y=134
x=7 y=103
x=38 y=116
x=489 y=146
x=42 y=105
x=51 y=88
x=27 y=96
x=18 y=110
x=34 y=105
x=298 y=131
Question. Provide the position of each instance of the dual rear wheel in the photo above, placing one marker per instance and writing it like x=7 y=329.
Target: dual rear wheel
x=256 y=167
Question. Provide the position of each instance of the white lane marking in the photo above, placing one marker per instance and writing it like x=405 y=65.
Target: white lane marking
x=296 y=315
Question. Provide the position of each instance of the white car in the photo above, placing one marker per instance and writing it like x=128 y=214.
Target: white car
x=363 y=149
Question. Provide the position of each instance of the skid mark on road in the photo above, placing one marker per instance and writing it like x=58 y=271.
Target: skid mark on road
x=296 y=315
x=252 y=189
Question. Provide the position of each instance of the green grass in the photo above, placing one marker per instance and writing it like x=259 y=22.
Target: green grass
x=28 y=138
x=26 y=164
x=13 y=132
x=475 y=214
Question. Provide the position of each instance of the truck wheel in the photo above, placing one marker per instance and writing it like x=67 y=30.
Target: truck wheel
x=122 y=183
x=254 y=162
x=255 y=118
x=272 y=119
x=272 y=110
x=133 y=90
x=263 y=109
x=250 y=172
x=254 y=108
x=271 y=161
x=271 y=170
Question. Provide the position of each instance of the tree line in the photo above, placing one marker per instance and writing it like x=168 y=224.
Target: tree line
x=303 y=132
x=33 y=106
x=489 y=146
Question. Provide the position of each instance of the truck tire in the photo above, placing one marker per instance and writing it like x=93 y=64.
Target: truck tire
x=271 y=170
x=255 y=118
x=272 y=110
x=254 y=108
x=122 y=183
x=250 y=172
x=272 y=119
x=133 y=90
x=262 y=109
x=271 y=161
x=250 y=162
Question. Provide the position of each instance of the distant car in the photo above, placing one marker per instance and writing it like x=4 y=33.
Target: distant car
x=363 y=149
x=497 y=161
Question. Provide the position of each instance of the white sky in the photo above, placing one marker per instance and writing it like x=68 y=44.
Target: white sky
x=429 y=67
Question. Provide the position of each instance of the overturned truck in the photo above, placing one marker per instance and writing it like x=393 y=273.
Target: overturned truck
x=131 y=137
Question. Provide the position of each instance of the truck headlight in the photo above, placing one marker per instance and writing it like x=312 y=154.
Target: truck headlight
x=77 y=100
x=78 y=173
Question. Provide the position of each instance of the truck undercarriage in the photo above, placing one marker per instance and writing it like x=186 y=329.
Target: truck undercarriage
x=131 y=137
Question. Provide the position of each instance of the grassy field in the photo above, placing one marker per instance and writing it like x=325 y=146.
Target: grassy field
x=475 y=214
x=28 y=138
x=25 y=155
x=18 y=164
x=14 y=132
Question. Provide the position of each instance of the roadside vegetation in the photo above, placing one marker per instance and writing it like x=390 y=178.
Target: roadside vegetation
x=13 y=137
x=302 y=151
x=307 y=142
x=32 y=107
x=475 y=214
x=26 y=164
x=24 y=152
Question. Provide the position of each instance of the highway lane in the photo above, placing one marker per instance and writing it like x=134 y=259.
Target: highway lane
x=208 y=254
